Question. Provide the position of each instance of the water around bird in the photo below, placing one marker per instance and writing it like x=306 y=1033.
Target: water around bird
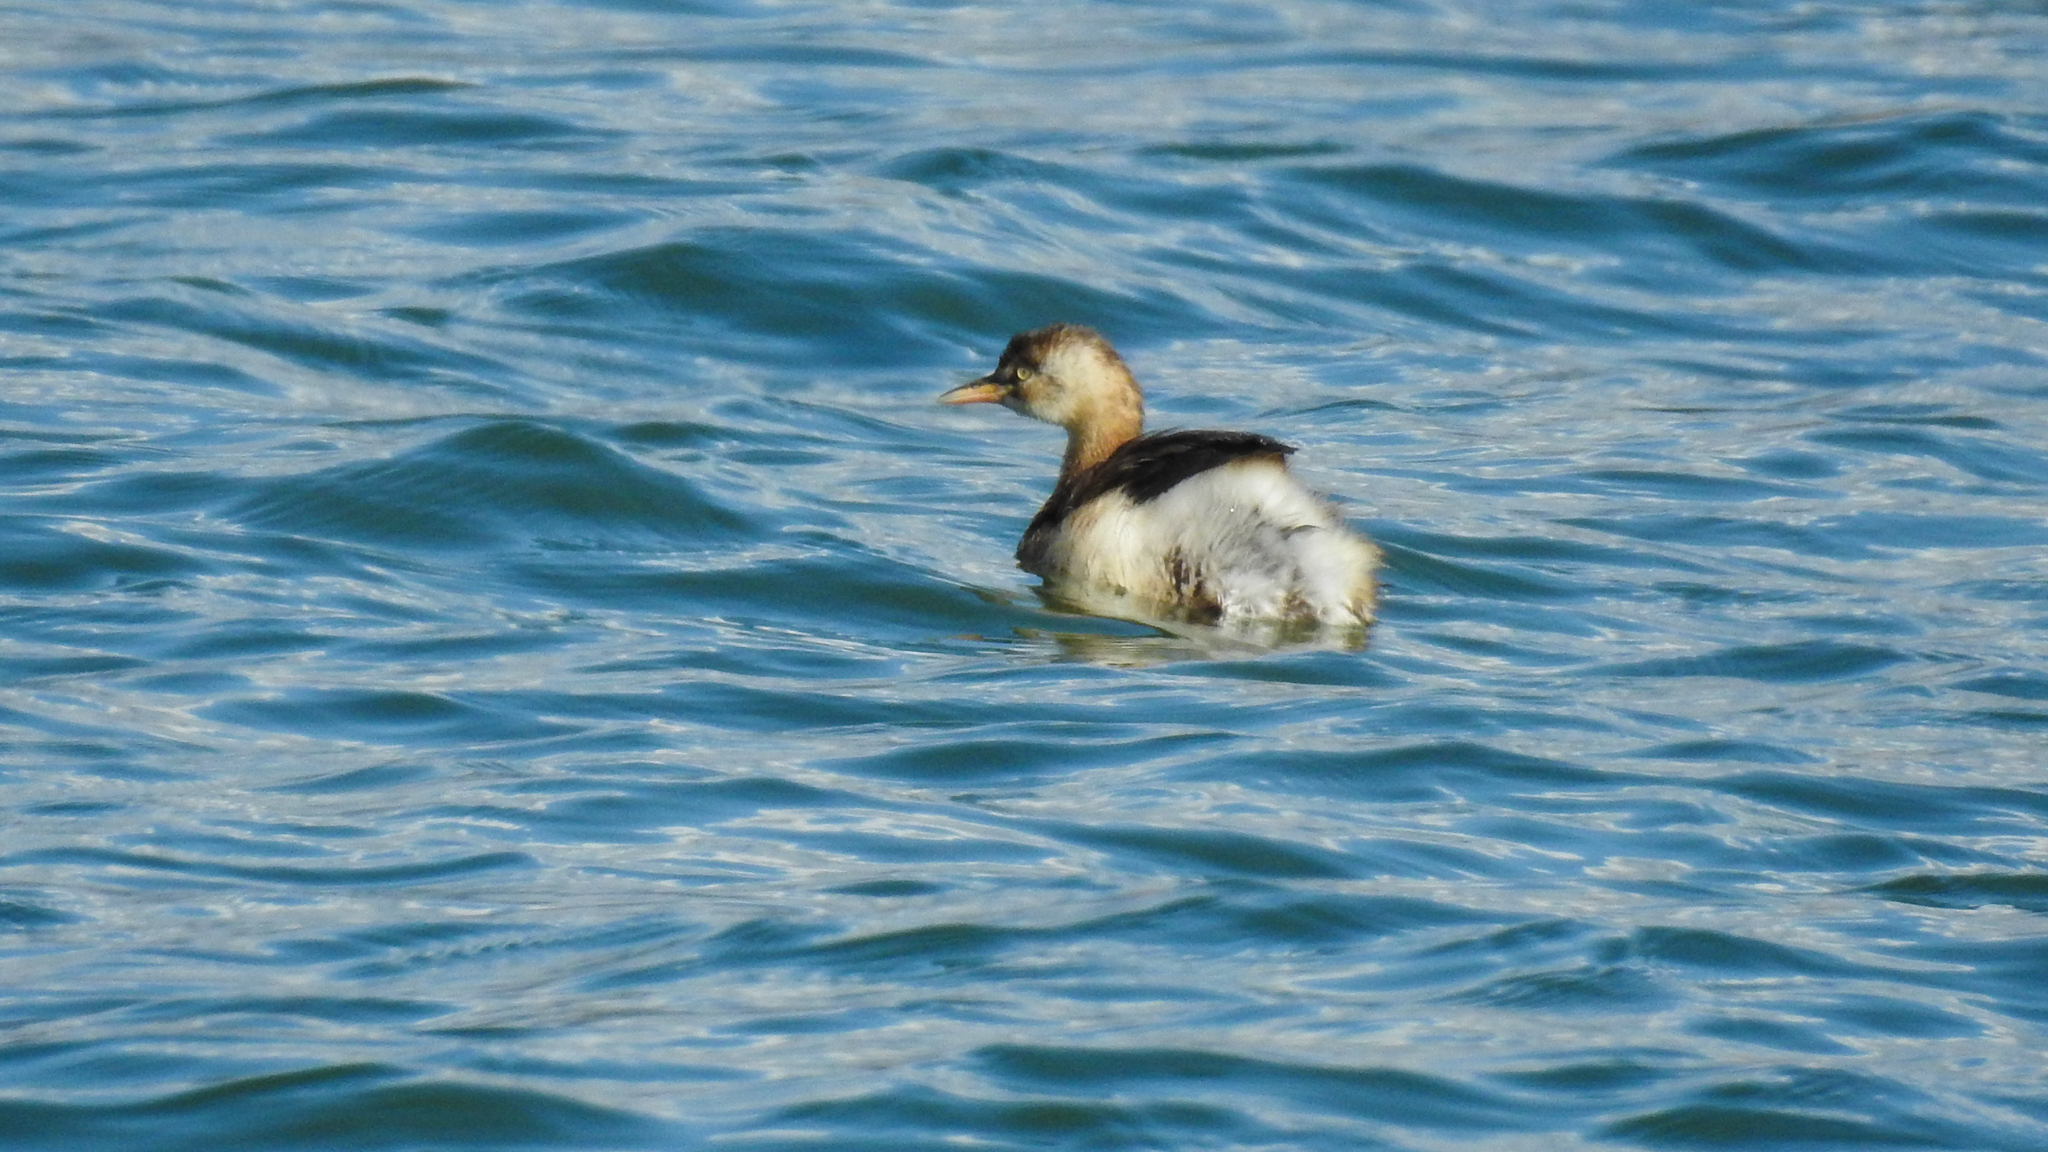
x=498 y=647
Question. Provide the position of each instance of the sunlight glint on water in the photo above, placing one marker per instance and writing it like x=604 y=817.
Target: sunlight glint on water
x=498 y=647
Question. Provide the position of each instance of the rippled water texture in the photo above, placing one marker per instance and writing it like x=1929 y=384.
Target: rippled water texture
x=498 y=647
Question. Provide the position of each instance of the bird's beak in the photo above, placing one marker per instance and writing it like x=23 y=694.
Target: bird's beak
x=987 y=390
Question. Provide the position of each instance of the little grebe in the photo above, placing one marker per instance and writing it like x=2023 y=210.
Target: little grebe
x=1206 y=525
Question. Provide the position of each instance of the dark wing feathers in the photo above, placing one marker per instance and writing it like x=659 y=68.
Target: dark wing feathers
x=1147 y=467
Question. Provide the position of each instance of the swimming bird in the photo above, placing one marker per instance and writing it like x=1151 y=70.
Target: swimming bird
x=1206 y=526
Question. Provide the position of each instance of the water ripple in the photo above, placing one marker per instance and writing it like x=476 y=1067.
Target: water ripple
x=499 y=649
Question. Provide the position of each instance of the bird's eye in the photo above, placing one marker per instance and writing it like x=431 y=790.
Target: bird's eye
x=1021 y=373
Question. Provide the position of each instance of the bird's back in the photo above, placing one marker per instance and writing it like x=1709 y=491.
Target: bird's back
x=1208 y=524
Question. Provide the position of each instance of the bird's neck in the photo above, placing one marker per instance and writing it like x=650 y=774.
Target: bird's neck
x=1099 y=433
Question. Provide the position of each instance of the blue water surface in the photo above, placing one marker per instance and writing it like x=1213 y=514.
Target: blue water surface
x=498 y=648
